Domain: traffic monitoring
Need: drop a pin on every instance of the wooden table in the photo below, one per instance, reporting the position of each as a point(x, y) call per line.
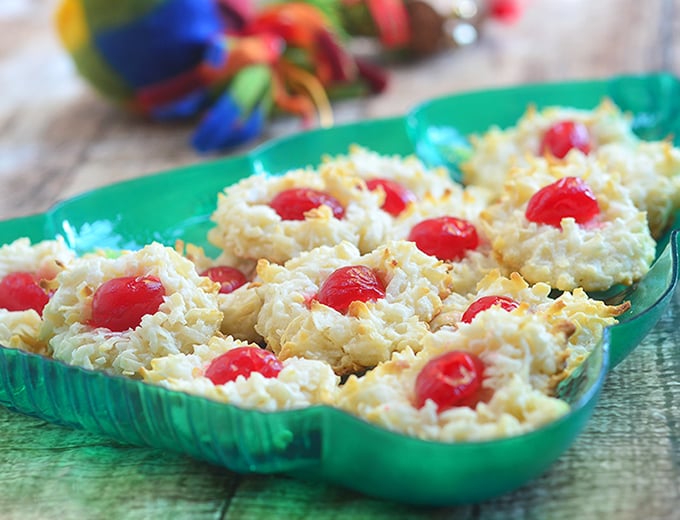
point(58, 139)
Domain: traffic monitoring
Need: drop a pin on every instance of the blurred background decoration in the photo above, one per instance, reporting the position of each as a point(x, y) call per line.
point(232, 64)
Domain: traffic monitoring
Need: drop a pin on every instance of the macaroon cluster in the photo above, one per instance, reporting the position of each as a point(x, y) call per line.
point(375, 284)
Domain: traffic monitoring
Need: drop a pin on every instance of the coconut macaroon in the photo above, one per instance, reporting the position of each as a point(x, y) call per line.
point(203, 262)
point(240, 310)
point(613, 246)
point(295, 322)
point(465, 204)
point(247, 226)
point(408, 171)
point(521, 355)
point(41, 262)
point(20, 330)
point(187, 313)
point(300, 382)
point(588, 316)
point(650, 171)
point(238, 298)
point(45, 258)
point(495, 152)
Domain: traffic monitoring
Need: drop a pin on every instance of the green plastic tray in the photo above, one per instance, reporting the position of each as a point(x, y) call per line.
point(321, 442)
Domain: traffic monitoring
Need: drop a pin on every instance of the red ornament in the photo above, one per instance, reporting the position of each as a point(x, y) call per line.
point(506, 11)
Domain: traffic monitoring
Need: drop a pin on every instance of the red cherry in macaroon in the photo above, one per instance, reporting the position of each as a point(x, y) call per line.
point(486, 302)
point(447, 238)
point(292, 204)
point(120, 304)
point(450, 380)
point(21, 291)
point(243, 361)
point(350, 284)
point(564, 136)
point(567, 197)
point(229, 278)
point(397, 196)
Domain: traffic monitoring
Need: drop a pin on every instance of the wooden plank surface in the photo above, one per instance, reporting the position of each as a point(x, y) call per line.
point(58, 139)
